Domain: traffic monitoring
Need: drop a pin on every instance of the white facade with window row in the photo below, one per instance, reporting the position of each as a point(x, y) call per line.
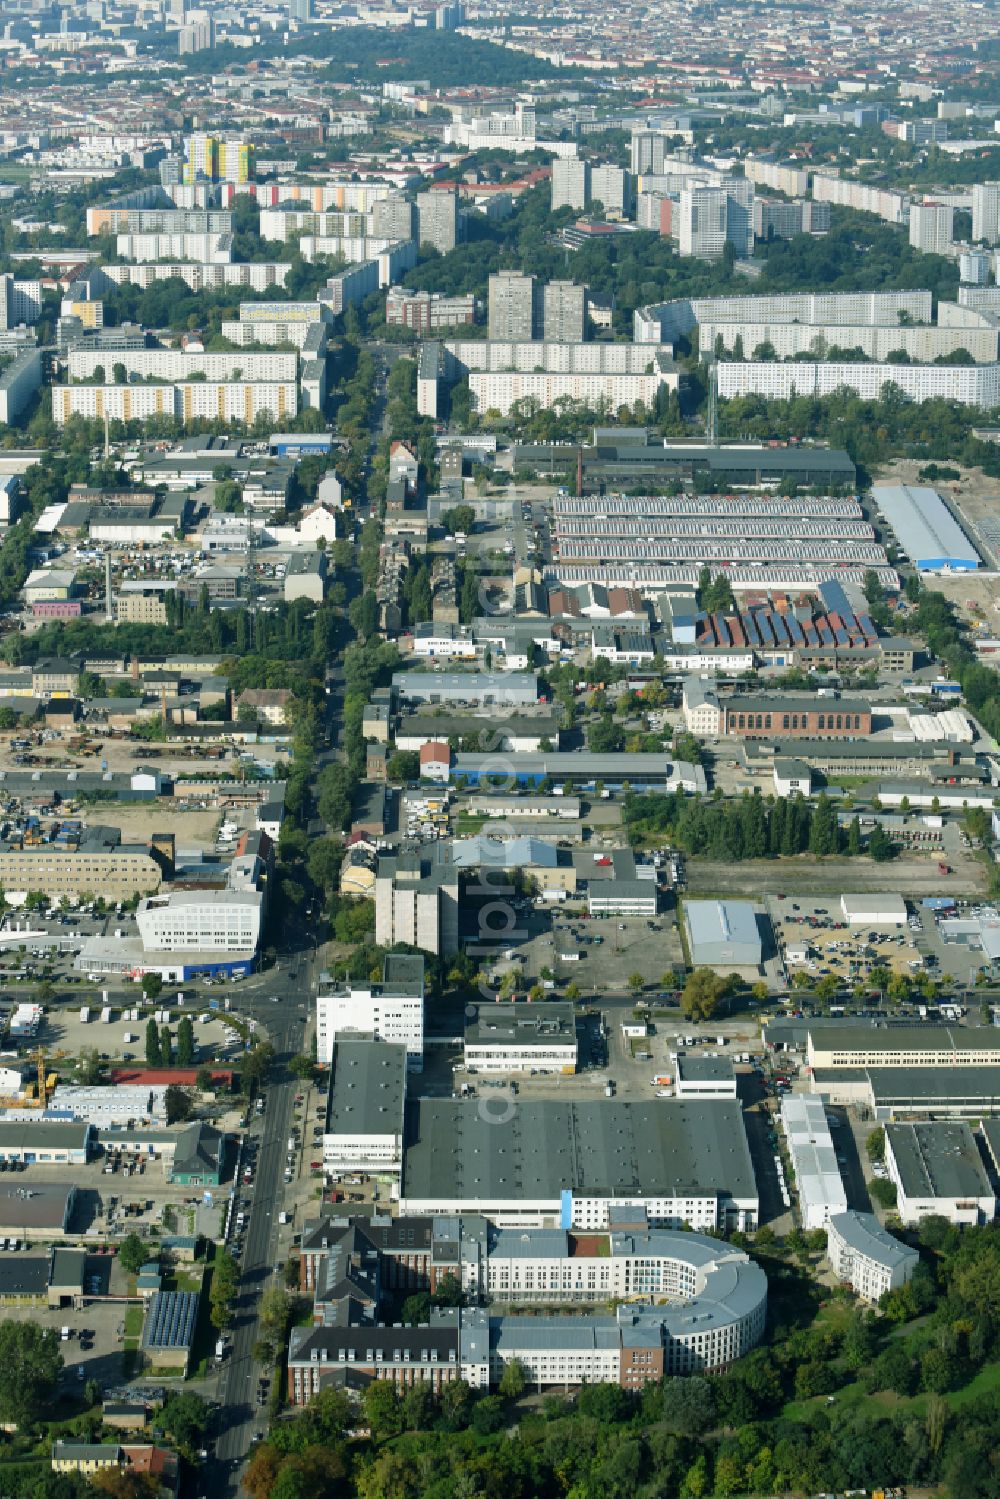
point(862, 1253)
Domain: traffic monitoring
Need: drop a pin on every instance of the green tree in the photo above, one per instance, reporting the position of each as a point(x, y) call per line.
point(403, 765)
point(166, 1046)
point(185, 1042)
point(89, 1067)
point(153, 1054)
point(185, 1416)
point(152, 985)
point(880, 845)
point(513, 1380)
point(178, 1104)
point(703, 990)
point(256, 1064)
point(688, 1405)
point(382, 1409)
point(882, 1191)
point(416, 1308)
point(875, 1144)
point(132, 1254)
point(31, 1361)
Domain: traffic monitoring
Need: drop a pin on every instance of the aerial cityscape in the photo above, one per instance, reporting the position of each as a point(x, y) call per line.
point(499, 750)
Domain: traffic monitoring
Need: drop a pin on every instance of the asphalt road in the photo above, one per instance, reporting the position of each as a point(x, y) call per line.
point(239, 1414)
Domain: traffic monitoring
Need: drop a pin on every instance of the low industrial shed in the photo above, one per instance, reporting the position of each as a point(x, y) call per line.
point(723, 934)
point(873, 910)
point(925, 528)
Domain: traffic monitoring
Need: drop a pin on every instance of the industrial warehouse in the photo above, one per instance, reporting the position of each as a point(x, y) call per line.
point(926, 529)
point(772, 542)
point(677, 1160)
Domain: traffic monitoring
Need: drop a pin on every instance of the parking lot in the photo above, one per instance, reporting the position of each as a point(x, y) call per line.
point(833, 947)
point(96, 1341)
point(601, 953)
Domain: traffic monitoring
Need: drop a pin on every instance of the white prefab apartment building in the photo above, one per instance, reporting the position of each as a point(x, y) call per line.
point(937, 1169)
point(814, 1160)
point(367, 1099)
point(224, 400)
point(864, 1255)
point(391, 1011)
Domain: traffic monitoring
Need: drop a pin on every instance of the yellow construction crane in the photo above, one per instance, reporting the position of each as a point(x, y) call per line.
point(43, 1088)
point(40, 1057)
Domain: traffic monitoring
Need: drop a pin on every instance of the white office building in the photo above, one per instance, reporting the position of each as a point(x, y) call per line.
point(976, 385)
point(391, 1011)
point(709, 218)
point(570, 183)
point(520, 1037)
point(866, 1256)
point(986, 212)
point(705, 1077)
point(203, 921)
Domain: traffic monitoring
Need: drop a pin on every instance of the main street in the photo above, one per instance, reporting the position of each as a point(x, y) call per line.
point(290, 984)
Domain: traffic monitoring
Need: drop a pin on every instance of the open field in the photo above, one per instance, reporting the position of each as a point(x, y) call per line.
point(909, 874)
point(139, 820)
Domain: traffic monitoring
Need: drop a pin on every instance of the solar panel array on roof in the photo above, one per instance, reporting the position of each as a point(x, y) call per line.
point(170, 1320)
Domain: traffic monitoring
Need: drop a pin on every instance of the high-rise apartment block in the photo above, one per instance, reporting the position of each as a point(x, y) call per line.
point(212, 158)
point(437, 218)
point(611, 186)
point(511, 317)
point(709, 218)
point(932, 227)
point(570, 183)
point(986, 212)
point(564, 312)
point(393, 217)
point(197, 34)
point(649, 148)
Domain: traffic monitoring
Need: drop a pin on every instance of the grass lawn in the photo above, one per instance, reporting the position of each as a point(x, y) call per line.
point(986, 1382)
point(133, 1321)
point(854, 1397)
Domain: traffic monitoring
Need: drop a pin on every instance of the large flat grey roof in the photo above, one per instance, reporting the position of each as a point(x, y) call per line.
point(367, 1088)
point(519, 1024)
point(485, 1149)
point(924, 526)
point(693, 1069)
point(905, 1038)
point(937, 1159)
point(725, 925)
point(44, 1134)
